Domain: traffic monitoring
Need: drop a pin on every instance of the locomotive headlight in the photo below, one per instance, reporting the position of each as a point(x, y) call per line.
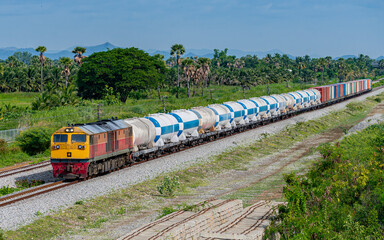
point(57, 147)
point(53, 147)
point(80, 147)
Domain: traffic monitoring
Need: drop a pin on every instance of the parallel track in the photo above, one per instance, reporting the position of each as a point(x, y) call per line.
point(25, 168)
point(19, 196)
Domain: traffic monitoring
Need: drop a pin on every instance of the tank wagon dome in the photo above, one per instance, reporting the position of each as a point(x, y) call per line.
point(207, 118)
point(143, 132)
point(262, 107)
point(223, 116)
point(251, 109)
point(189, 123)
point(238, 112)
point(166, 128)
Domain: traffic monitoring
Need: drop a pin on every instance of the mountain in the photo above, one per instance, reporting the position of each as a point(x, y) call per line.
point(346, 57)
point(379, 58)
point(56, 54)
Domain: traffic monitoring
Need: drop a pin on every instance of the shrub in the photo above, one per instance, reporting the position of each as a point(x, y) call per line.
point(34, 141)
point(168, 186)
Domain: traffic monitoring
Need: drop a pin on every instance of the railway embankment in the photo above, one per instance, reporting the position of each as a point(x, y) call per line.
point(238, 167)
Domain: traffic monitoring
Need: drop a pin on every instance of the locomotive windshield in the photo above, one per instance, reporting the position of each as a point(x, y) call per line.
point(60, 138)
point(78, 138)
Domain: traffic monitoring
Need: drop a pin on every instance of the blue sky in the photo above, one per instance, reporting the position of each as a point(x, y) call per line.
point(297, 27)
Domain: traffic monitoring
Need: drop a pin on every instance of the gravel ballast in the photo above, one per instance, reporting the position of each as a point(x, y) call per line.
point(24, 212)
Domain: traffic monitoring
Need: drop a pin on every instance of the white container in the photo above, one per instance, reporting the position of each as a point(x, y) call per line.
point(290, 100)
point(272, 105)
point(207, 118)
point(188, 123)
point(143, 132)
point(238, 113)
point(167, 128)
point(223, 116)
point(251, 109)
point(282, 103)
point(262, 106)
point(298, 99)
point(305, 98)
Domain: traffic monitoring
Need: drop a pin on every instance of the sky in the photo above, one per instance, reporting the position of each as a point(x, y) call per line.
point(297, 27)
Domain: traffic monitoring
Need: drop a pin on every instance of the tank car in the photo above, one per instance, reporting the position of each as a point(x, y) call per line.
point(207, 118)
point(263, 109)
point(143, 133)
point(166, 128)
point(251, 109)
point(223, 116)
point(237, 112)
point(189, 123)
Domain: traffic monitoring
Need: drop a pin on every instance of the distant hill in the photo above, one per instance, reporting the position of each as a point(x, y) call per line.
point(56, 54)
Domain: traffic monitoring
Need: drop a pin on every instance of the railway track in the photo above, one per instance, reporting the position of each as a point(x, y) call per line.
point(32, 192)
point(16, 170)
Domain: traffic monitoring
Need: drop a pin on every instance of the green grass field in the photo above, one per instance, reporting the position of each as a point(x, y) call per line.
point(17, 98)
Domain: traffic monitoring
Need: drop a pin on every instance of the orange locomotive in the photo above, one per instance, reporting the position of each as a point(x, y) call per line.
point(83, 150)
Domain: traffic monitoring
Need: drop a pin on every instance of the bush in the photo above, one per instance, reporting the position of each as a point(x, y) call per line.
point(168, 186)
point(35, 140)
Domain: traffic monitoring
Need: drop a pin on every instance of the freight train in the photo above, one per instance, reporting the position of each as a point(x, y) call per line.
point(86, 150)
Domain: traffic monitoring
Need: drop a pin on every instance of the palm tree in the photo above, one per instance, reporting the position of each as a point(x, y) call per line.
point(178, 50)
point(66, 62)
point(204, 63)
point(79, 51)
point(322, 64)
point(41, 49)
point(189, 69)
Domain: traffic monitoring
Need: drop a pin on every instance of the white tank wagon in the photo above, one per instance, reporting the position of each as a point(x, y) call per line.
point(305, 98)
point(262, 108)
point(238, 113)
point(290, 100)
point(223, 116)
point(166, 128)
point(273, 106)
point(317, 95)
point(282, 103)
point(207, 118)
point(298, 100)
point(251, 109)
point(143, 132)
point(189, 123)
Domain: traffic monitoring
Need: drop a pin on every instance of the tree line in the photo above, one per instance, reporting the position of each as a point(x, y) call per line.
point(133, 73)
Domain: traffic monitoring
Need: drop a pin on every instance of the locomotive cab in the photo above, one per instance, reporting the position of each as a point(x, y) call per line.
point(70, 152)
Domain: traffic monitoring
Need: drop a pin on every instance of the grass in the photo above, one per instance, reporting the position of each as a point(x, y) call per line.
point(123, 203)
point(18, 98)
point(11, 154)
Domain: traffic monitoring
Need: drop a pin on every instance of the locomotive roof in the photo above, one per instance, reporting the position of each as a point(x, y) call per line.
point(103, 126)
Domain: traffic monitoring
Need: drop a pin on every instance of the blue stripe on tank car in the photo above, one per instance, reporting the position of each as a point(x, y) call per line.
point(238, 114)
point(231, 110)
point(224, 117)
point(257, 105)
point(178, 118)
point(267, 104)
point(277, 104)
point(167, 129)
point(191, 124)
point(245, 107)
point(196, 112)
point(157, 125)
point(263, 108)
point(216, 115)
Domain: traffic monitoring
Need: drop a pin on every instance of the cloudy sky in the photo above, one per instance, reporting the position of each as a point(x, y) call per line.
point(298, 27)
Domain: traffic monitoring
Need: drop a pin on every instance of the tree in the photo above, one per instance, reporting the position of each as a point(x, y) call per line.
point(41, 49)
point(66, 62)
point(204, 63)
point(189, 68)
point(78, 58)
point(125, 70)
point(322, 64)
point(176, 51)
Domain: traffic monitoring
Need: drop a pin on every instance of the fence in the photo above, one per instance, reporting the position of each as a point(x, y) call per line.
point(11, 134)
